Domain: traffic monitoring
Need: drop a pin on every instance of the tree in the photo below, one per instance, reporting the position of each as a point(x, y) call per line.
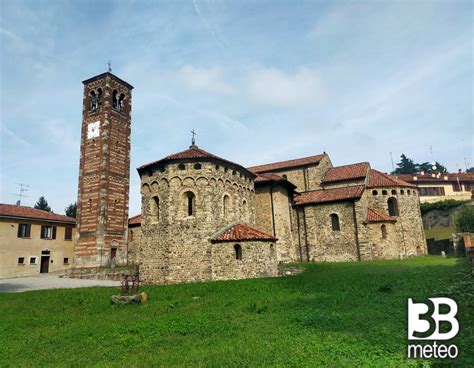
point(440, 168)
point(470, 170)
point(405, 166)
point(465, 220)
point(71, 210)
point(425, 166)
point(42, 204)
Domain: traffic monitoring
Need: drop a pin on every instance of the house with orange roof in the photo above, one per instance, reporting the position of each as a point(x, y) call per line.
point(34, 242)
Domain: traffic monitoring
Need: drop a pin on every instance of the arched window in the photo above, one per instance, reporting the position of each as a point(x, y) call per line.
point(408, 192)
point(226, 206)
point(384, 192)
point(284, 175)
point(181, 167)
point(130, 236)
point(155, 208)
point(90, 204)
point(190, 203)
point(374, 192)
point(117, 100)
point(394, 192)
point(197, 166)
point(94, 101)
point(402, 192)
point(392, 206)
point(383, 228)
point(245, 210)
point(238, 252)
point(335, 222)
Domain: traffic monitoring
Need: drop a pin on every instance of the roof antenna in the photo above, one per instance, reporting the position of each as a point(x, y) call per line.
point(110, 67)
point(393, 166)
point(23, 189)
point(193, 140)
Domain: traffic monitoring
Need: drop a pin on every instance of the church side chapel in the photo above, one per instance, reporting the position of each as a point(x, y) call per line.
point(204, 217)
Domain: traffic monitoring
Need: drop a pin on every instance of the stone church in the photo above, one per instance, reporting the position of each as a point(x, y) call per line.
point(207, 218)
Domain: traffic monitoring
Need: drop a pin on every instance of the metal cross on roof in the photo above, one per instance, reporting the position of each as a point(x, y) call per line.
point(193, 140)
point(110, 66)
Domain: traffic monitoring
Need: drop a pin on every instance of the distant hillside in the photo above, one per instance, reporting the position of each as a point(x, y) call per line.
point(442, 215)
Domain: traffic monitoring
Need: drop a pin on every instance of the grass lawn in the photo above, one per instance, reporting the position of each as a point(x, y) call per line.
point(347, 314)
point(440, 233)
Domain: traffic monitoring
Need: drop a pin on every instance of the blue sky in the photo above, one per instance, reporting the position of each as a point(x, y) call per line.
point(259, 81)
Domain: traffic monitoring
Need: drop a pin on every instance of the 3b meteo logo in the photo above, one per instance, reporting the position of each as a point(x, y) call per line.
point(424, 321)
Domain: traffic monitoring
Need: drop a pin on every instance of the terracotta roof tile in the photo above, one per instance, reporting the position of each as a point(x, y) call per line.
point(193, 152)
point(9, 210)
point(374, 215)
point(330, 195)
point(269, 178)
point(346, 172)
point(311, 160)
point(378, 179)
point(135, 220)
point(241, 232)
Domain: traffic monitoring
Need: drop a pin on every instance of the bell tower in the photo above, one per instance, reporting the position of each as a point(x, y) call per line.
point(104, 172)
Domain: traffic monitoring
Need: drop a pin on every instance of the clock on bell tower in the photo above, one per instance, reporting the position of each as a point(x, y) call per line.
point(104, 172)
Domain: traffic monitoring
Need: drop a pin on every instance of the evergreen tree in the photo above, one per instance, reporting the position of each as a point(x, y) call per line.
point(470, 170)
point(425, 166)
point(71, 210)
point(405, 166)
point(42, 204)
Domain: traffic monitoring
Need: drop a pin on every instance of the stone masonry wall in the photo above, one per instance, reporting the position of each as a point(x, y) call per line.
point(286, 249)
point(323, 243)
point(409, 226)
point(259, 259)
point(176, 246)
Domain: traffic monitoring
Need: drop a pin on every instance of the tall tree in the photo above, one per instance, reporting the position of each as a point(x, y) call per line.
point(405, 166)
point(71, 210)
point(470, 170)
point(425, 166)
point(440, 168)
point(42, 204)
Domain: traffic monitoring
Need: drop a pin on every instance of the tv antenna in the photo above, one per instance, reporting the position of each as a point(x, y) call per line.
point(23, 189)
point(393, 166)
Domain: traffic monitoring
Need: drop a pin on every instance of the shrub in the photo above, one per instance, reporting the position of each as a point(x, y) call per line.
point(465, 220)
point(445, 205)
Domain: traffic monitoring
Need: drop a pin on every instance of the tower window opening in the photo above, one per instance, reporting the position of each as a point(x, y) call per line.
point(190, 202)
point(155, 212)
point(226, 206)
point(392, 206)
point(336, 226)
point(118, 100)
point(238, 252)
point(383, 229)
point(94, 99)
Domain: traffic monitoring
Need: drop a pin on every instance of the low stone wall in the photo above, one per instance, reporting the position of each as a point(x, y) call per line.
point(95, 273)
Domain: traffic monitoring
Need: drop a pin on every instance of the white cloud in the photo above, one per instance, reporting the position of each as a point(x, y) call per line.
point(206, 79)
point(277, 88)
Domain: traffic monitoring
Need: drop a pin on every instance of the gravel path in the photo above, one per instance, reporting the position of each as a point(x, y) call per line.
point(20, 284)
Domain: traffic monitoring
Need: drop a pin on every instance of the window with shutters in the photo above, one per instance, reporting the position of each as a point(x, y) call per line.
point(68, 233)
point(48, 232)
point(24, 230)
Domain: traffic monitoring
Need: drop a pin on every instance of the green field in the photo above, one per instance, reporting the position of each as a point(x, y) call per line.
point(440, 233)
point(348, 314)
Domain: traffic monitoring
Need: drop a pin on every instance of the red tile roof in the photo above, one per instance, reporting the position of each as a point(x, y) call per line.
point(135, 220)
point(24, 212)
point(241, 232)
point(374, 215)
point(311, 160)
point(273, 178)
point(378, 179)
point(427, 177)
point(346, 172)
point(330, 195)
point(193, 152)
